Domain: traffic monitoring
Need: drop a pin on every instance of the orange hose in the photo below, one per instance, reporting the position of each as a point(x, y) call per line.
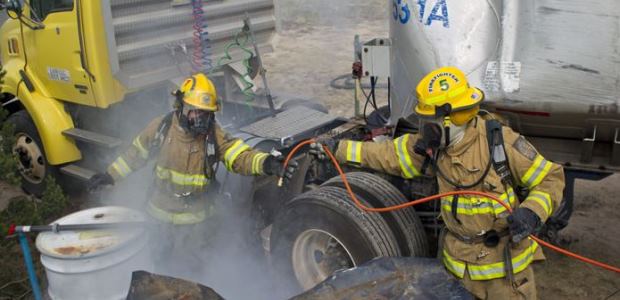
point(435, 197)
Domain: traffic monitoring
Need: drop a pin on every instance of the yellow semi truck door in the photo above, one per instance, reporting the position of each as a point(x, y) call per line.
point(55, 54)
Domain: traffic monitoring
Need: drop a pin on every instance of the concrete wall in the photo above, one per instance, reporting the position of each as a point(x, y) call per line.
point(291, 13)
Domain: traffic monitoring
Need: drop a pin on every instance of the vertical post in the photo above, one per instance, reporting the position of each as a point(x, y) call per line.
point(357, 50)
point(615, 149)
point(261, 71)
point(358, 88)
point(32, 275)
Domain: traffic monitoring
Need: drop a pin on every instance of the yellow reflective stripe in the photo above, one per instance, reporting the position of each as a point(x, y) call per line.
point(182, 179)
point(184, 218)
point(508, 198)
point(143, 152)
point(121, 166)
point(537, 172)
point(404, 159)
point(257, 163)
point(455, 267)
point(468, 206)
point(445, 96)
point(543, 199)
point(354, 152)
point(479, 205)
point(497, 270)
point(233, 152)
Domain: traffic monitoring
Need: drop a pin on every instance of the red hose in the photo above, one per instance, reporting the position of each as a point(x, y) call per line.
point(436, 197)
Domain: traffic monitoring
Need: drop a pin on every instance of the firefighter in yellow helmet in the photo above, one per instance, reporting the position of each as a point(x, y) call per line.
point(187, 144)
point(485, 247)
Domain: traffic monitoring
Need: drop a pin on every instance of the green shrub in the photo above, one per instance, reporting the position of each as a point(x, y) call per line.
point(8, 160)
point(27, 210)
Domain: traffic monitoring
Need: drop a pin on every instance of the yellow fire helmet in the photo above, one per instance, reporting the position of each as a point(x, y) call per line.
point(447, 85)
point(199, 92)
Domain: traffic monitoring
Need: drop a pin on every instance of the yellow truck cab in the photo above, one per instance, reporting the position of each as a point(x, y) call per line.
point(84, 75)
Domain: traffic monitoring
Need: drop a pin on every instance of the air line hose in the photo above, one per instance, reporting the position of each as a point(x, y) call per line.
point(240, 41)
point(200, 56)
point(201, 61)
point(361, 206)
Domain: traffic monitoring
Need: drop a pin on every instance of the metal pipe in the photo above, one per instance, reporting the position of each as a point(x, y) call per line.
point(32, 275)
point(357, 58)
point(68, 227)
point(358, 88)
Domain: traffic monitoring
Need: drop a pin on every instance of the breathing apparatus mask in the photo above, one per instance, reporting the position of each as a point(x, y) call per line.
point(439, 132)
point(193, 120)
point(443, 131)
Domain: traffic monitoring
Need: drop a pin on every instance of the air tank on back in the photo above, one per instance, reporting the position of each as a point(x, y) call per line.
point(552, 68)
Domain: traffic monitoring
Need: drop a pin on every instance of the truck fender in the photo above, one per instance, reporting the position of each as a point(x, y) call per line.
point(51, 120)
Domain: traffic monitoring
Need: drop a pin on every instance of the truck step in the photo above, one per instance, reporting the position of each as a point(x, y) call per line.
point(78, 172)
point(93, 137)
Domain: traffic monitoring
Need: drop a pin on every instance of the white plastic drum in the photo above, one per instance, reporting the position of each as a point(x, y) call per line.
point(94, 264)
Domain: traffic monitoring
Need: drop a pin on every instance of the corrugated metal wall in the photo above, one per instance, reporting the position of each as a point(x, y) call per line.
point(153, 38)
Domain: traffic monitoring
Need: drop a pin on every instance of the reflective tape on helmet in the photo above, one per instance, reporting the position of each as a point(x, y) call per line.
point(444, 97)
point(491, 271)
point(354, 152)
point(537, 172)
point(181, 218)
point(257, 163)
point(121, 167)
point(233, 153)
point(404, 158)
point(178, 178)
point(143, 152)
point(543, 199)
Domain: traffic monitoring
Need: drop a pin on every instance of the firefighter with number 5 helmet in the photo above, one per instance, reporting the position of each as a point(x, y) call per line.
point(187, 145)
point(484, 246)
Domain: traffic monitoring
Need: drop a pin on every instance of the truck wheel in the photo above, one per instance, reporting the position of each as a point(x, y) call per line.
point(322, 231)
point(404, 223)
point(28, 149)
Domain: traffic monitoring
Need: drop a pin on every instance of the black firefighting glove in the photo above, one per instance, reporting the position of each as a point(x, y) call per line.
point(317, 150)
point(99, 180)
point(521, 223)
point(430, 141)
point(274, 165)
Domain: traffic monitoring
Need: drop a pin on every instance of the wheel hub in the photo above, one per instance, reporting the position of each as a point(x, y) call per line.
point(30, 161)
point(316, 255)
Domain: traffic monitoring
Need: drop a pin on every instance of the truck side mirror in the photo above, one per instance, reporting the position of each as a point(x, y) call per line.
point(13, 8)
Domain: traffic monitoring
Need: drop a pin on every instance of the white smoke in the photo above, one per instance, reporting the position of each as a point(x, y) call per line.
point(235, 265)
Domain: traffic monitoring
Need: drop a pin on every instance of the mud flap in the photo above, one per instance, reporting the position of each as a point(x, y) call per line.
point(390, 278)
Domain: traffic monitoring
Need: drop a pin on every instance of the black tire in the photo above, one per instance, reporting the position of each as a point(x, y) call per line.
point(26, 133)
point(288, 104)
point(404, 223)
point(328, 210)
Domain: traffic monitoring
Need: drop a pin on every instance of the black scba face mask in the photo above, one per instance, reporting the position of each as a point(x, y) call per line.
point(431, 139)
point(195, 121)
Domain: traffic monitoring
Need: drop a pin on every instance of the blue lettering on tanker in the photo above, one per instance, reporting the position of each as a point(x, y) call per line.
point(439, 12)
point(401, 11)
point(422, 5)
point(444, 14)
